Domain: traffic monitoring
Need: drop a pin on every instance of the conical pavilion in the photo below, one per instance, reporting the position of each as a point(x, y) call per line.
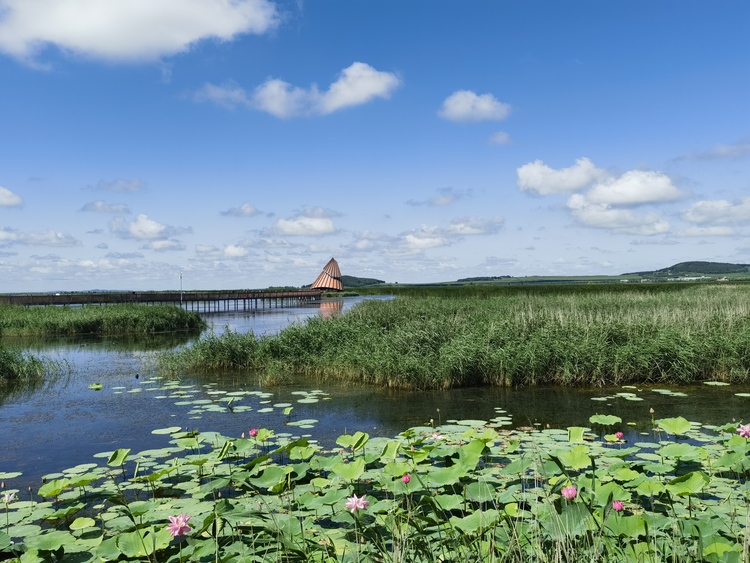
point(329, 278)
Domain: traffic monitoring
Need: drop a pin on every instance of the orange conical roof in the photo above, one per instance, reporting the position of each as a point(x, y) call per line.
point(329, 278)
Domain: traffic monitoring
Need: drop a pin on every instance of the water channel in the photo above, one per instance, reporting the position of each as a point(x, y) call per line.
point(65, 423)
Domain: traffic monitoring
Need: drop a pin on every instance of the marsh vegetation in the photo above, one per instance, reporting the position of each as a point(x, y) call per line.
point(480, 335)
point(16, 320)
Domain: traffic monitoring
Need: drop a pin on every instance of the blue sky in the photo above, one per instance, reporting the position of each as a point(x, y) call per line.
point(243, 143)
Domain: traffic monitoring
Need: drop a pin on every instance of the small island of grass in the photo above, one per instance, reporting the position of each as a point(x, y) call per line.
point(443, 337)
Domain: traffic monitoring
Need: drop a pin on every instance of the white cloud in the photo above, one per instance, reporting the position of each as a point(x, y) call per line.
point(234, 251)
point(8, 198)
point(424, 240)
point(228, 96)
point(707, 232)
point(635, 187)
point(603, 216)
point(473, 226)
point(738, 150)
point(126, 29)
point(357, 84)
point(540, 178)
point(38, 238)
point(126, 186)
point(104, 207)
point(427, 237)
point(305, 226)
point(164, 245)
point(445, 196)
point(719, 212)
point(244, 210)
point(143, 228)
point(465, 105)
point(500, 138)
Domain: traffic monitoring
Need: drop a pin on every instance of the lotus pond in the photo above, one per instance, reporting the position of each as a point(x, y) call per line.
point(95, 464)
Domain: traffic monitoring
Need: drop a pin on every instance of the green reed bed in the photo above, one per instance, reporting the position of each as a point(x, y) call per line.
point(106, 319)
point(584, 336)
point(17, 366)
point(468, 491)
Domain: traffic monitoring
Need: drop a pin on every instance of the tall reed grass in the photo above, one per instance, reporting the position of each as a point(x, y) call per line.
point(107, 319)
point(18, 367)
point(530, 336)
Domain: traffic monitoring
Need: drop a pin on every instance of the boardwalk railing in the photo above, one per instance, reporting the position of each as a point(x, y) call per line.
point(199, 301)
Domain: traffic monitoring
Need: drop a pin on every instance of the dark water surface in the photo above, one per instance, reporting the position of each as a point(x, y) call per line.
point(63, 424)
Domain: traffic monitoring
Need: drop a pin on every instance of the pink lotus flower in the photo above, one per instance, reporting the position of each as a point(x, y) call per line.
point(619, 435)
point(405, 479)
point(178, 525)
point(569, 492)
point(617, 505)
point(744, 430)
point(253, 432)
point(354, 503)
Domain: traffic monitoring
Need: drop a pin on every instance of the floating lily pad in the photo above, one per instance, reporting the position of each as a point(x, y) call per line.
point(716, 383)
point(169, 430)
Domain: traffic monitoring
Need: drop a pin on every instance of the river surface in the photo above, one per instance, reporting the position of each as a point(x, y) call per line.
point(65, 423)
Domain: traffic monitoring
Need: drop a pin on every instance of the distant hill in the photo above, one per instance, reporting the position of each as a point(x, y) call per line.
point(483, 278)
point(352, 281)
point(697, 268)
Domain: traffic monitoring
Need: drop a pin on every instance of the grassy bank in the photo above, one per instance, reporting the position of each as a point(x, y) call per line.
point(109, 319)
point(468, 491)
point(16, 366)
point(587, 335)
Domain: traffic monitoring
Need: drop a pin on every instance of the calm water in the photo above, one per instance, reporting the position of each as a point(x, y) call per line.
point(64, 424)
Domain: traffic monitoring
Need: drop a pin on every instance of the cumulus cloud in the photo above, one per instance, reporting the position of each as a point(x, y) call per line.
point(100, 206)
point(634, 188)
point(8, 198)
point(126, 186)
point(126, 30)
point(465, 105)
point(234, 251)
point(244, 210)
point(426, 237)
point(37, 238)
point(604, 216)
point(357, 84)
point(303, 225)
point(719, 212)
point(539, 178)
point(143, 228)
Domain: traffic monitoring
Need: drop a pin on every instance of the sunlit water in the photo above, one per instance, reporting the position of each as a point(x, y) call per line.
point(66, 423)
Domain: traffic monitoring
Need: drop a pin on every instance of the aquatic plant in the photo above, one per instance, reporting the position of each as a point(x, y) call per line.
point(480, 492)
point(17, 367)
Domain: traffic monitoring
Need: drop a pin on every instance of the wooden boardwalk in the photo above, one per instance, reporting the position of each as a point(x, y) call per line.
point(198, 301)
